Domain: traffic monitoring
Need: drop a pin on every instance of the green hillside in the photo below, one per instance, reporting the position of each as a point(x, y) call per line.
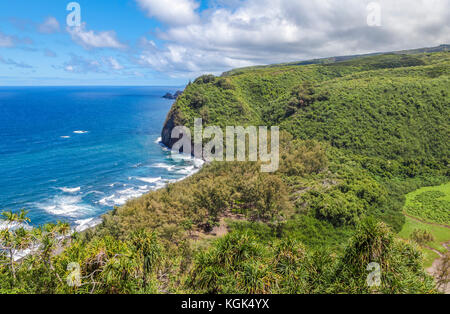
point(391, 106)
point(389, 113)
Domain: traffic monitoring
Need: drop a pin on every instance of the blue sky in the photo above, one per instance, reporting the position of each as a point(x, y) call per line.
point(168, 42)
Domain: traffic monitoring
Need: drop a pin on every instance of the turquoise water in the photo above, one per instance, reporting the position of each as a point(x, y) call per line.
point(73, 153)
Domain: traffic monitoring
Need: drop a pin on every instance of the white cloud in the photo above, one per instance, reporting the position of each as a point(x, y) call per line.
point(90, 39)
point(83, 65)
point(114, 64)
point(172, 12)
point(50, 25)
point(179, 61)
point(270, 31)
point(6, 41)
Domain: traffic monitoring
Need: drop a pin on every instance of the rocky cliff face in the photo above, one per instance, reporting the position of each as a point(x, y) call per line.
point(172, 120)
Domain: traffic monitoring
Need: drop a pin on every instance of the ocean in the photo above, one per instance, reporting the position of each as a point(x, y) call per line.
point(74, 153)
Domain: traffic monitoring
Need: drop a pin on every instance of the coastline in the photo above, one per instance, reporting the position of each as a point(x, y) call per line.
point(91, 223)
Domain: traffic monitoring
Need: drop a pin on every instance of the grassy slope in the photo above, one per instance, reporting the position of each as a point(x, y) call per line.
point(441, 234)
point(431, 204)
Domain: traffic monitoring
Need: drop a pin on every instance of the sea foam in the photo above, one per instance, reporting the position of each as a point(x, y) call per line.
point(164, 166)
point(84, 224)
point(66, 206)
point(149, 180)
point(70, 190)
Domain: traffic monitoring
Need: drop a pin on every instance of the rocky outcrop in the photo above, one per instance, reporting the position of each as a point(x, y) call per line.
point(174, 96)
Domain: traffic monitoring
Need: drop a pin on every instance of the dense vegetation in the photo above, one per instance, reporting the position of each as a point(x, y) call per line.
point(387, 113)
point(357, 136)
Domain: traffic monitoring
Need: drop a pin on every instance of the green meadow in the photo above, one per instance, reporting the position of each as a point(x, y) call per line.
point(440, 233)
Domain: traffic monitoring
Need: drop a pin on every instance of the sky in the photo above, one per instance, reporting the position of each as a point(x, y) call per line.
point(169, 42)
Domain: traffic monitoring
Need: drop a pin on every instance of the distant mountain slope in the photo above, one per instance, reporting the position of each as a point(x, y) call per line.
point(441, 48)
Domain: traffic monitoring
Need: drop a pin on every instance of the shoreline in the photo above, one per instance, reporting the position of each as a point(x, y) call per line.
point(93, 222)
point(197, 166)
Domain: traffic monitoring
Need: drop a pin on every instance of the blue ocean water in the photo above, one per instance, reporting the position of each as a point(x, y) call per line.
point(73, 153)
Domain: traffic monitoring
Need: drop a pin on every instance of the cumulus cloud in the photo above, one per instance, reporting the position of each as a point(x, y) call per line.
point(90, 39)
point(50, 26)
point(173, 12)
point(269, 31)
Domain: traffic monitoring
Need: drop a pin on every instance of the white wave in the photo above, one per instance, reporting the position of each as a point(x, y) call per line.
point(70, 190)
point(80, 132)
point(18, 255)
point(13, 225)
point(94, 192)
point(84, 224)
point(65, 136)
point(187, 170)
point(161, 184)
point(179, 157)
point(198, 163)
point(108, 201)
point(164, 166)
point(121, 197)
point(66, 206)
point(149, 180)
point(159, 140)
